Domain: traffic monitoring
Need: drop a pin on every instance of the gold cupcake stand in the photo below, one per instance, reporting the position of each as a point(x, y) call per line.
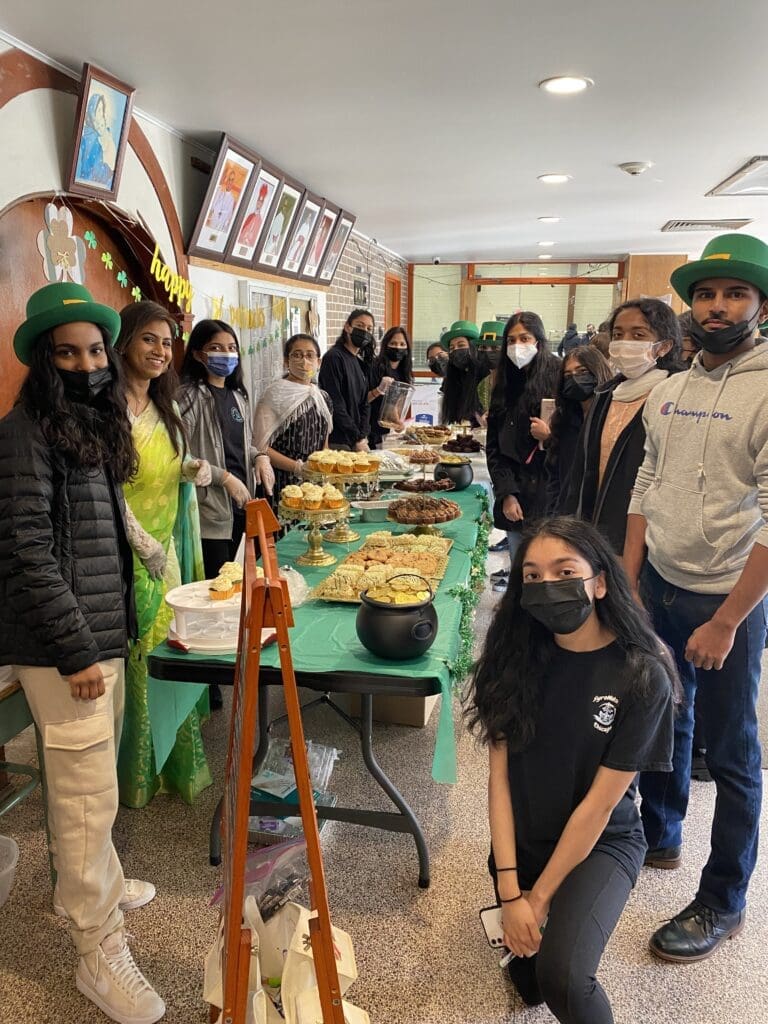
point(352, 485)
point(315, 518)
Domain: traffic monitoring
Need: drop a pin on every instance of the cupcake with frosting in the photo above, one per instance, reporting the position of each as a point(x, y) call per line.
point(292, 496)
point(332, 497)
point(221, 589)
point(313, 498)
point(328, 461)
point(344, 462)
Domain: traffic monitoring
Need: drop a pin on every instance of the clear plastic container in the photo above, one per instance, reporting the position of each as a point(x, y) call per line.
point(395, 405)
point(9, 858)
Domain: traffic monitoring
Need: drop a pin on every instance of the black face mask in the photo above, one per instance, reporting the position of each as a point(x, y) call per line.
point(494, 358)
point(83, 387)
point(394, 355)
point(579, 387)
point(360, 337)
point(438, 365)
point(561, 606)
point(719, 343)
point(460, 358)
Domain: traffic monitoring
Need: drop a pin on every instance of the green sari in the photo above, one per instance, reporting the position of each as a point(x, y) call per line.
point(167, 509)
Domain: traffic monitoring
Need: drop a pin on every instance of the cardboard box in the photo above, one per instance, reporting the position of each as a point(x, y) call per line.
point(415, 711)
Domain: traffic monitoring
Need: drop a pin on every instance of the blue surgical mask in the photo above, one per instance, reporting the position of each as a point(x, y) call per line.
point(222, 365)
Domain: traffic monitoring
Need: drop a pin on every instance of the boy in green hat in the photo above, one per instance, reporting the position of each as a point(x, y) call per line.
point(489, 357)
point(706, 467)
point(66, 612)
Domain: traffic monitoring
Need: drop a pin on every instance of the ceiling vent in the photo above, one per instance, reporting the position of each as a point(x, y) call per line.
point(749, 180)
point(705, 225)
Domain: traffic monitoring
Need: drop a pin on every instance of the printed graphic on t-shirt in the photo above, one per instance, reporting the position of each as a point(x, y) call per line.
point(236, 415)
point(605, 715)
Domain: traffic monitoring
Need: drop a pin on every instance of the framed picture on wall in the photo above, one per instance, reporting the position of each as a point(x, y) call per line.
point(102, 124)
point(228, 187)
point(253, 216)
point(322, 236)
point(274, 238)
point(336, 248)
point(301, 236)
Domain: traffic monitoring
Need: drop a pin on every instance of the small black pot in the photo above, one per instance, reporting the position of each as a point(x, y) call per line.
point(460, 472)
point(396, 632)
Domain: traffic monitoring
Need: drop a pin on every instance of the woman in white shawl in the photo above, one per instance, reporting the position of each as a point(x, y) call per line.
point(293, 417)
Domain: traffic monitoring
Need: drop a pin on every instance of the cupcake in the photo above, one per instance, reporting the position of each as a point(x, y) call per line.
point(328, 461)
point(360, 462)
point(291, 496)
point(374, 461)
point(306, 488)
point(314, 462)
point(221, 589)
point(232, 571)
point(344, 462)
point(313, 498)
point(332, 497)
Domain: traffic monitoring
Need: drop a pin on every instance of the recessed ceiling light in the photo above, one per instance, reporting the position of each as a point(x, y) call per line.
point(546, 245)
point(554, 179)
point(549, 220)
point(566, 85)
point(545, 256)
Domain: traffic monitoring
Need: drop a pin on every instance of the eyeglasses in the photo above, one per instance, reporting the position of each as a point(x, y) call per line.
point(307, 357)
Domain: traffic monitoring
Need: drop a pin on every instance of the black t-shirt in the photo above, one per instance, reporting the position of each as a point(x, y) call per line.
point(588, 718)
point(232, 432)
point(375, 377)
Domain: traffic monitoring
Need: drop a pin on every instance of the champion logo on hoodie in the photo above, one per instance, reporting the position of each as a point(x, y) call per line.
point(698, 414)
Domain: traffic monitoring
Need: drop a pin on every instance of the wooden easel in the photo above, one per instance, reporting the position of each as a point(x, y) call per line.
point(266, 604)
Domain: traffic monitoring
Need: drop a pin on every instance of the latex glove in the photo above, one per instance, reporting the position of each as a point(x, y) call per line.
point(384, 384)
point(237, 490)
point(265, 474)
point(362, 446)
point(197, 472)
point(150, 551)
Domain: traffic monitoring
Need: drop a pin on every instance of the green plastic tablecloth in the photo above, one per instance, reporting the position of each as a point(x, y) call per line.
point(324, 638)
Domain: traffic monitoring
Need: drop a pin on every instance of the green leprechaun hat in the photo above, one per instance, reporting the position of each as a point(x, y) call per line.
point(460, 329)
point(491, 332)
point(56, 304)
point(742, 257)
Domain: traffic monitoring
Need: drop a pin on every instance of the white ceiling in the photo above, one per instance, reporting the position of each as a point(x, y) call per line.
point(423, 116)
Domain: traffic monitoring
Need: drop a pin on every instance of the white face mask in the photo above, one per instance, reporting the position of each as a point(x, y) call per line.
point(632, 358)
point(522, 354)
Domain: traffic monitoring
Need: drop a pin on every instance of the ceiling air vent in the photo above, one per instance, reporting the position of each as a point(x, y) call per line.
point(749, 180)
point(705, 225)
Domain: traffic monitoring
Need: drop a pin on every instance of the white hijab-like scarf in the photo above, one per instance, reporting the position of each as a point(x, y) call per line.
point(631, 390)
point(283, 403)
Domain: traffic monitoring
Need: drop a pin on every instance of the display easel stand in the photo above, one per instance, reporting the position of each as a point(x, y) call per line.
point(266, 604)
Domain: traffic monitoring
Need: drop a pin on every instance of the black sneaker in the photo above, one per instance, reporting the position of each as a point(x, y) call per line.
point(695, 933)
point(666, 857)
point(522, 974)
point(215, 699)
point(502, 545)
point(699, 770)
point(500, 574)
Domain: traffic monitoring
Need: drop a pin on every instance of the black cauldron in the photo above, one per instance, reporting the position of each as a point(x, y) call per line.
point(460, 472)
point(397, 632)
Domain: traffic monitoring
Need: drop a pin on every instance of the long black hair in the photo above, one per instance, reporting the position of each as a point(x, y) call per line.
point(535, 381)
point(367, 353)
point(569, 413)
point(405, 366)
point(162, 390)
point(503, 697)
point(460, 399)
point(88, 436)
point(664, 324)
point(193, 370)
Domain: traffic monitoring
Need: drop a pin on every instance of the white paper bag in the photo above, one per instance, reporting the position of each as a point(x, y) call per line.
point(309, 1010)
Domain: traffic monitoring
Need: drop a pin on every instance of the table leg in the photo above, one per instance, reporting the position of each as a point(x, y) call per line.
point(411, 821)
point(259, 757)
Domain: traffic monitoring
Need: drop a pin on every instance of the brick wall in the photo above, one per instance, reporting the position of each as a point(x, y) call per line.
point(363, 261)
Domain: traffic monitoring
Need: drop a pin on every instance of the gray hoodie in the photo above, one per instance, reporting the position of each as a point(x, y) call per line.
point(703, 486)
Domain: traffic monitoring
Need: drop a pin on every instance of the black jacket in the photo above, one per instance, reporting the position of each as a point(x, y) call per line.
point(378, 371)
point(606, 505)
point(559, 463)
point(66, 590)
point(569, 341)
point(345, 379)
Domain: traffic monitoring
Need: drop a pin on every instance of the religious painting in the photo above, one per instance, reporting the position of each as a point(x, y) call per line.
point(254, 217)
point(319, 243)
point(336, 248)
point(285, 210)
point(102, 123)
point(297, 247)
point(235, 166)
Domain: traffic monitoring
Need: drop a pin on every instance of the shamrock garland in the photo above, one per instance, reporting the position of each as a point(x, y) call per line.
point(469, 596)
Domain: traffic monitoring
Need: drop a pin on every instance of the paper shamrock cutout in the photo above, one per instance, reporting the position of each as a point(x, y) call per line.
point(63, 254)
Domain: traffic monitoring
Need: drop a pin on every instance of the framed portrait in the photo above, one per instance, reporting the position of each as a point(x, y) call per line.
point(301, 236)
point(336, 248)
point(274, 238)
point(319, 243)
point(102, 123)
point(253, 216)
point(227, 189)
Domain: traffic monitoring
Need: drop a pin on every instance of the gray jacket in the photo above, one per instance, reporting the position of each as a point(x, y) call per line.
point(198, 411)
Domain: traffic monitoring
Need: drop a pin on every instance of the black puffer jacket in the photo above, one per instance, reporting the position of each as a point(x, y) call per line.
point(66, 594)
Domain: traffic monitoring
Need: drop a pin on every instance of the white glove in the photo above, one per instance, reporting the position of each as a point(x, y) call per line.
point(197, 472)
point(150, 551)
point(384, 385)
point(237, 490)
point(265, 474)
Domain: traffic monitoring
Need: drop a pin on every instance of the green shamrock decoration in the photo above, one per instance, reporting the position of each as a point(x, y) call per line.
point(90, 239)
point(106, 259)
point(122, 279)
point(136, 294)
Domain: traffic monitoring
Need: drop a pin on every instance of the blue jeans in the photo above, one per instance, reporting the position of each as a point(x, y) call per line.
point(726, 701)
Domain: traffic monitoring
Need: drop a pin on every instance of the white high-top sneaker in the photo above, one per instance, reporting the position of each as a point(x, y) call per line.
point(110, 978)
